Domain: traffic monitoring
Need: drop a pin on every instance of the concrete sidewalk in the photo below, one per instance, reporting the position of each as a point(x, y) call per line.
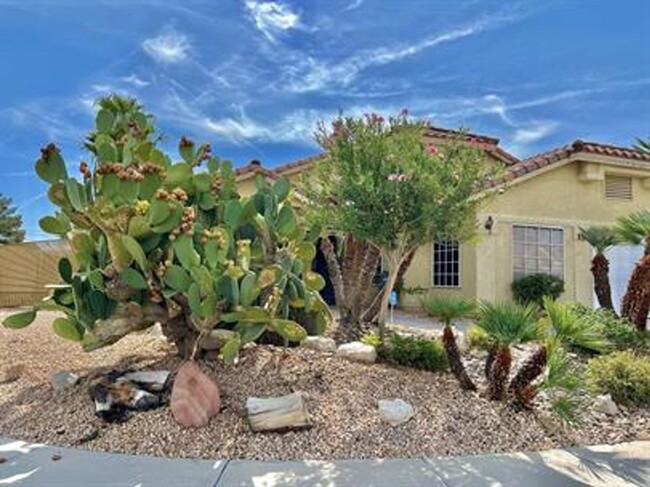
point(38, 465)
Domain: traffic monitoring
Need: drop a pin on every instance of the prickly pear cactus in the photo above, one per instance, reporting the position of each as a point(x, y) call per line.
point(161, 241)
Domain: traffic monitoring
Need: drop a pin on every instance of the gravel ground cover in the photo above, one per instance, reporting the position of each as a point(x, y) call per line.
point(342, 399)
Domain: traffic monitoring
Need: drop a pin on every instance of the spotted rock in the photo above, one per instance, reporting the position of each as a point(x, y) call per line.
point(195, 397)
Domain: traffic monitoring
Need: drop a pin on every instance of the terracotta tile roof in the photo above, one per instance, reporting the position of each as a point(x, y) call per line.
point(290, 167)
point(488, 144)
point(253, 167)
point(553, 156)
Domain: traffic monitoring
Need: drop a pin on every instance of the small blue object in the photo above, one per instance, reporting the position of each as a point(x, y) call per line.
point(392, 300)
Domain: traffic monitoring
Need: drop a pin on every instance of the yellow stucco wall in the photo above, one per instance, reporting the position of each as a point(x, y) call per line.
point(566, 196)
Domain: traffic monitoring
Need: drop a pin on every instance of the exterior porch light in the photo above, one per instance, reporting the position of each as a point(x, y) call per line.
point(489, 223)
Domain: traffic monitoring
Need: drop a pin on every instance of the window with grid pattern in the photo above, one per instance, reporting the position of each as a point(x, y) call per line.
point(446, 263)
point(618, 187)
point(537, 250)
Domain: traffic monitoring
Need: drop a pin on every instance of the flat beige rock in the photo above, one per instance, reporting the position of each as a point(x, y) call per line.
point(195, 397)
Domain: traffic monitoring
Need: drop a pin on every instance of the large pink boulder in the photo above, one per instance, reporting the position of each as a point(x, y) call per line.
point(195, 397)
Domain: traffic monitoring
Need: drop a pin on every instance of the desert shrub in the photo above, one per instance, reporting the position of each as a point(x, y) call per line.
point(533, 288)
point(478, 338)
point(622, 334)
point(447, 309)
point(625, 375)
point(371, 339)
point(416, 352)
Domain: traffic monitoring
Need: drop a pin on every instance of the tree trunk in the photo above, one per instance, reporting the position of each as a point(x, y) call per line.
point(602, 288)
point(532, 368)
point(489, 360)
point(636, 302)
point(455, 360)
point(499, 373)
point(371, 313)
point(393, 260)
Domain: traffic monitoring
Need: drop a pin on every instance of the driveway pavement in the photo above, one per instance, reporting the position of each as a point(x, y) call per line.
point(30, 465)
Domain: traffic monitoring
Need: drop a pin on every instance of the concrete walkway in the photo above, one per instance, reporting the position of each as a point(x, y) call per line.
point(26, 464)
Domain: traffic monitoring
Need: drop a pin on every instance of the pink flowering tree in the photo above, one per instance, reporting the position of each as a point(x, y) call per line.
point(380, 182)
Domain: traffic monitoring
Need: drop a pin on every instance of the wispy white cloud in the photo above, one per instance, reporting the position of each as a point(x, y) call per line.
point(314, 75)
point(272, 18)
point(169, 47)
point(533, 132)
point(135, 80)
point(353, 5)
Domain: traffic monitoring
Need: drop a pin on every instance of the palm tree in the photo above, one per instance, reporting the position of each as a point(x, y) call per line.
point(567, 329)
point(642, 145)
point(601, 239)
point(635, 229)
point(507, 323)
point(449, 310)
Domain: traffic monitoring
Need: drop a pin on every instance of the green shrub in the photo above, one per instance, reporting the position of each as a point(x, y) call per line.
point(622, 334)
point(447, 309)
point(371, 339)
point(625, 375)
point(419, 353)
point(478, 338)
point(533, 288)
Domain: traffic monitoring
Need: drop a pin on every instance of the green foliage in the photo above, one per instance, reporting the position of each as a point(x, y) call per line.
point(572, 330)
point(625, 375)
point(643, 145)
point(563, 381)
point(509, 323)
point(379, 182)
point(599, 237)
point(620, 333)
point(478, 339)
point(10, 222)
point(635, 228)
point(419, 353)
point(371, 339)
point(447, 309)
point(154, 238)
point(533, 288)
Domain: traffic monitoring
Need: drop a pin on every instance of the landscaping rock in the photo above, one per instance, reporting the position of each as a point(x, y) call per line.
point(278, 413)
point(357, 351)
point(12, 373)
point(195, 397)
point(151, 380)
point(605, 404)
point(321, 344)
point(63, 379)
point(395, 411)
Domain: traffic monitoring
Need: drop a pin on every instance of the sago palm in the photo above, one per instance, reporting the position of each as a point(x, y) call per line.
point(601, 239)
point(566, 329)
point(507, 323)
point(449, 310)
point(635, 229)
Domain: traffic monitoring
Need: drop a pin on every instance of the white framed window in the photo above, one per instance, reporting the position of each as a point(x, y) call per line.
point(446, 264)
point(537, 250)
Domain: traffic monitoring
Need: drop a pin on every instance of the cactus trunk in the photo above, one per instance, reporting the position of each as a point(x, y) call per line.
point(455, 359)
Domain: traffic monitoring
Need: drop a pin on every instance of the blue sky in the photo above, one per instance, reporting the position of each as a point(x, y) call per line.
point(253, 77)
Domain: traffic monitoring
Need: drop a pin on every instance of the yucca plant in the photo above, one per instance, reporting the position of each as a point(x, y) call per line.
point(601, 239)
point(507, 323)
point(635, 229)
point(565, 328)
point(448, 310)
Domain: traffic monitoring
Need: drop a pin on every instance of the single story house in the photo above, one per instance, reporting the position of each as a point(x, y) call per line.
point(531, 225)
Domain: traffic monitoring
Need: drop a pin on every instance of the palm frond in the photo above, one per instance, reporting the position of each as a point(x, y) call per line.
point(634, 228)
point(642, 145)
point(573, 330)
point(509, 322)
point(560, 372)
point(447, 309)
point(600, 238)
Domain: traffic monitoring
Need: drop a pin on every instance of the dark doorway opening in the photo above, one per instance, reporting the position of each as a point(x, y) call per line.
point(320, 265)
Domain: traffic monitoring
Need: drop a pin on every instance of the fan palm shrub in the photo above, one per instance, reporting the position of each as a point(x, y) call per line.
point(635, 229)
point(448, 310)
point(507, 323)
point(565, 329)
point(601, 239)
